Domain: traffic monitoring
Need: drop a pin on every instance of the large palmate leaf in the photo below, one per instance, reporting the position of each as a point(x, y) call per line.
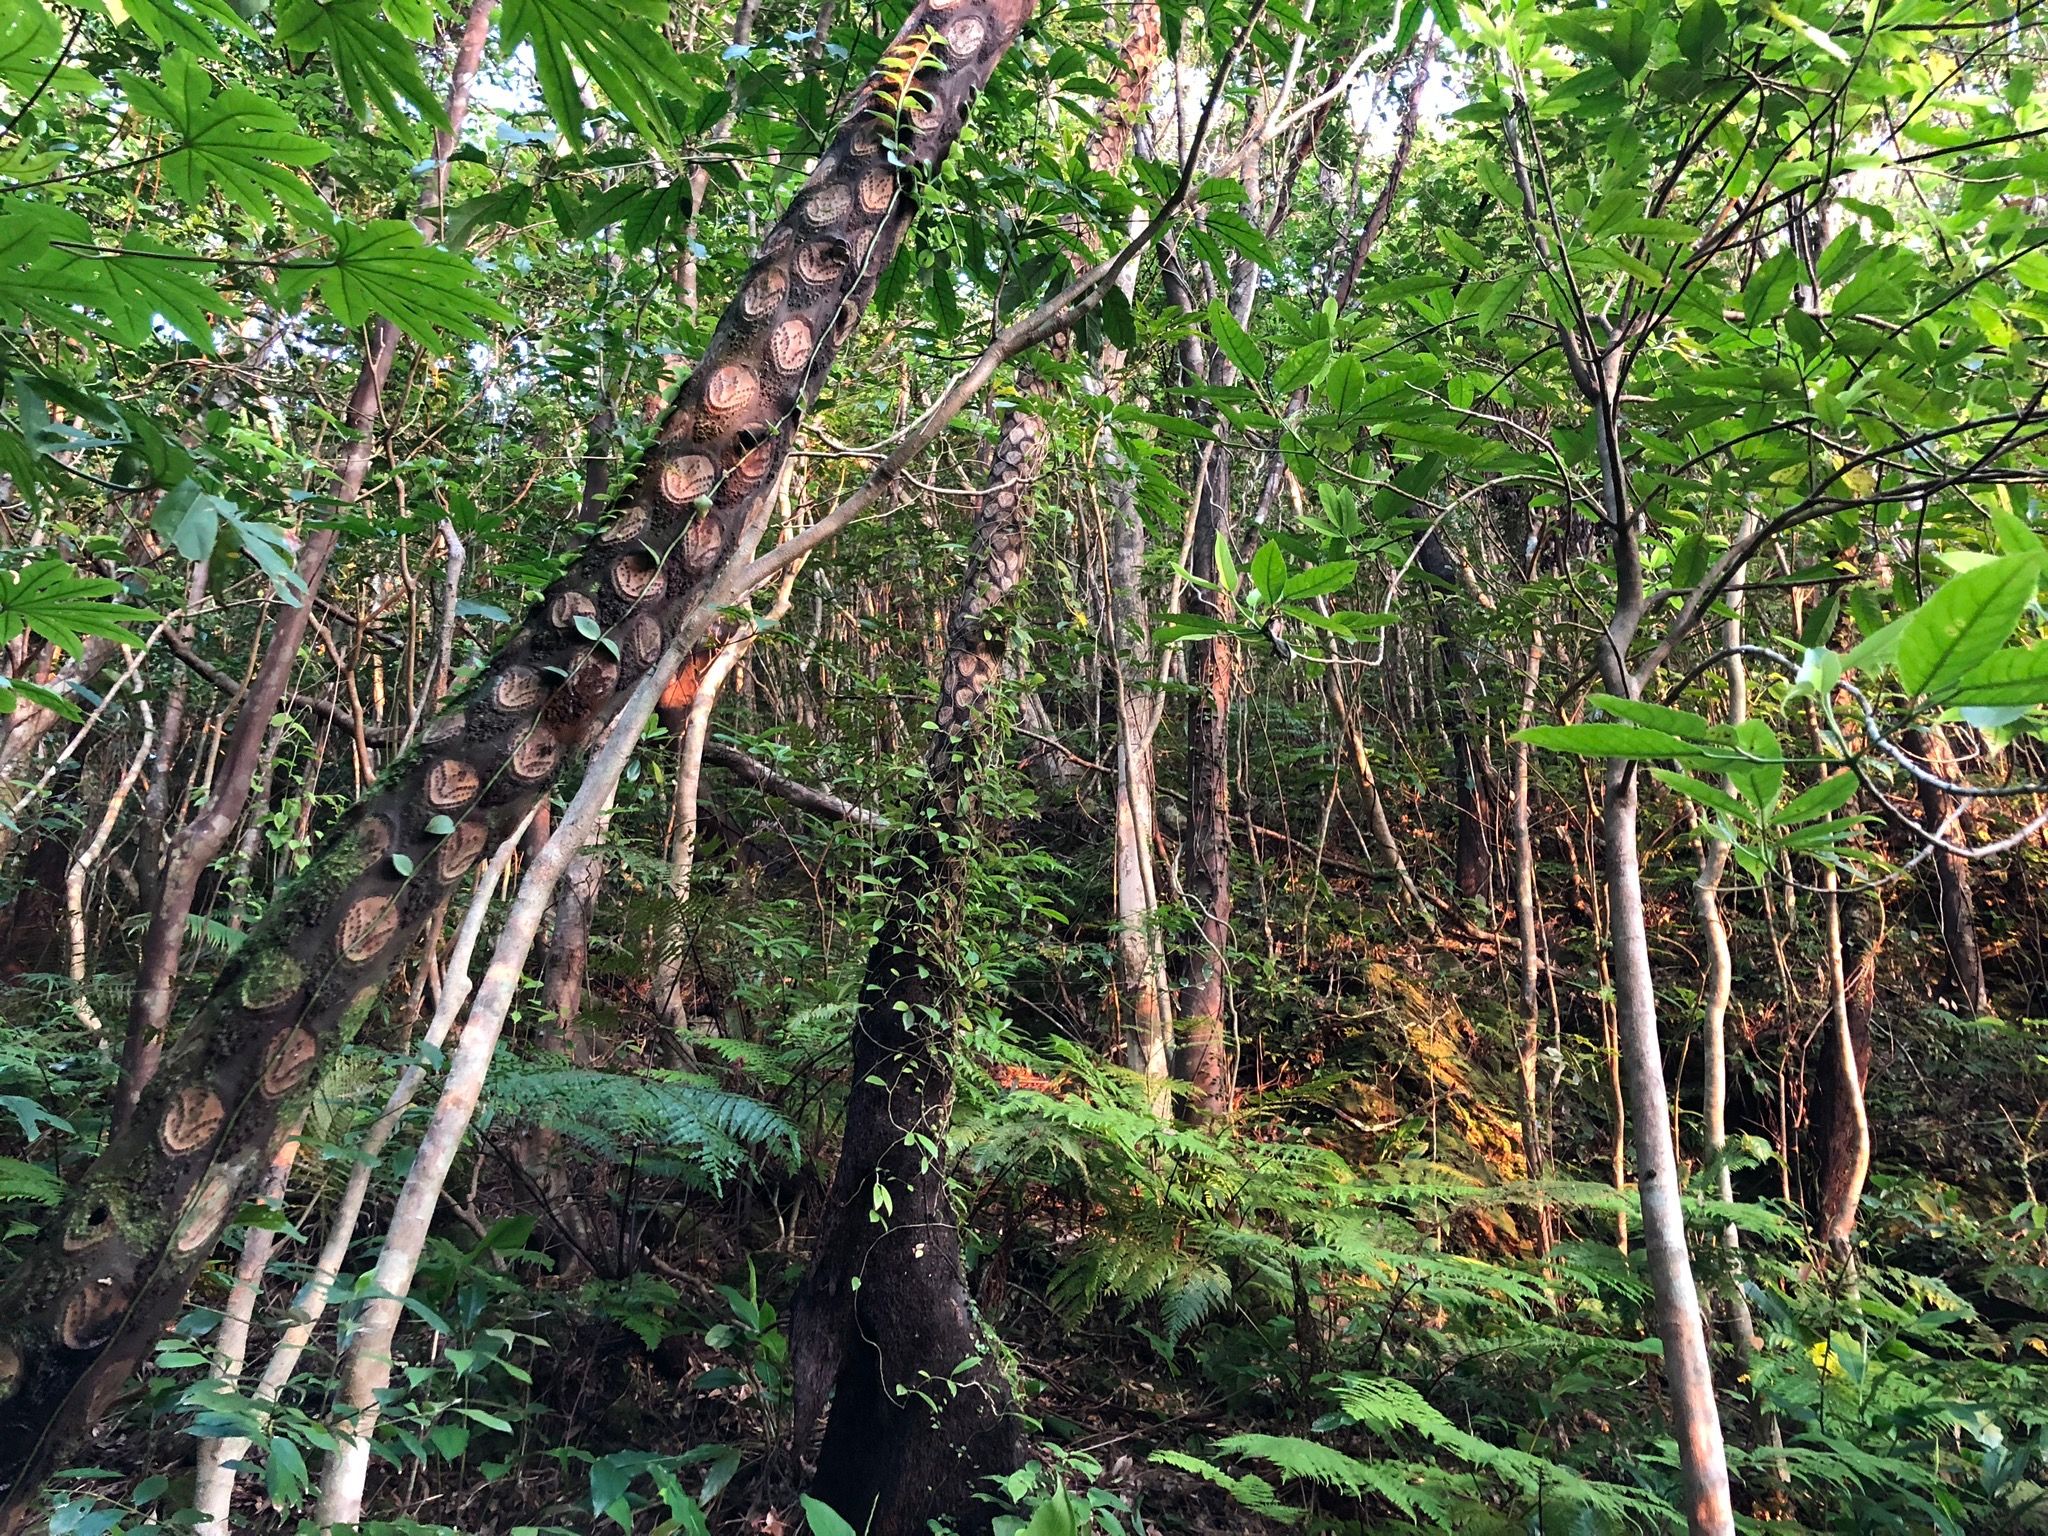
point(52, 600)
point(234, 139)
point(616, 43)
point(39, 276)
point(31, 42)
point(186, 24)
point(143, 279)
point(386, 268)
point(374, 63)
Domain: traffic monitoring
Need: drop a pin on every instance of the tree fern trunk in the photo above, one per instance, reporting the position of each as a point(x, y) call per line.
point(883, 1324)
point(83, 1307)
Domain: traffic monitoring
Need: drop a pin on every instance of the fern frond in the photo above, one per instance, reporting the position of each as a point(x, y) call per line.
point(612, 1113)
point(1252, 1491)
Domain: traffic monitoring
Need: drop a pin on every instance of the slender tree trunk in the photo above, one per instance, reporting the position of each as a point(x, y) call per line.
point(1681, 1324)
point(1695, 1418)
point(215, 1486)
point(1527, 929)
point(156, 800)
point(231, 1340)
point(87, 857)
point(921, 1412)
point(688, 708)
point(1212, 667)
point(366, 1364)
point(1140, 945)
point(1954, 893)
point(82, 1307)
point(1844, 1114)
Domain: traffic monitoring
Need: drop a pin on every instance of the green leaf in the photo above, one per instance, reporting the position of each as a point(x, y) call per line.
point(1055, 1517)
point(1711, 796)
point(1971, 616)
point(1822, 799)
point(1658, 717)
point(1269, 571)
point(823, 1520)
point(1320, 580)
point(1119, 326)
point(1701, 29)
point(1302, 368)
point(145, 279)
point(39, 279)
point(182, 23)
point(241, 142)
point(1876, 651)
point(31, 42)
point(441, 826)
point(52, 600)
point(2008, 677)
point(29, 1182)
point(1344, 385)
point(1600, 738)
point(1809, 31)
point(1758, 774)
point(374, 63)
point(1235, 342)
point(618, 46)
point(402, 862)
point(284, 1473)
point(387, 268)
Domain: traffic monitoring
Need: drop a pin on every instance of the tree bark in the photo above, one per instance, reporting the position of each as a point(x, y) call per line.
point(1843, 1114)
point(920, 1410)
point(1212, 667)
point(1954, 892)
point(83, 1306)
point(88, 856)
point(214, 1487)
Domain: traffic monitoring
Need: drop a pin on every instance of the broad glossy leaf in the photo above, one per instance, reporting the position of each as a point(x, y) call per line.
point(145, 278)
point(1712, 796)
point(823, 1520)
point(1269, 571)
point(1970, 617)
point(1235, 342)
point(1822, 799)
point(2009, 677)
point(38, 276)
point(1605, 738)
point(52, 600)
point(183, 23)
point(1682, 723)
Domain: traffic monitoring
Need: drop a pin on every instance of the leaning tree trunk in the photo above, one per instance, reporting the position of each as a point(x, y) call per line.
point(83, 1307)
point(920, 1410)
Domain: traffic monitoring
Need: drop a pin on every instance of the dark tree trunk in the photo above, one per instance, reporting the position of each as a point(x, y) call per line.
point(1461, 679)
point(84, 1306)
point(920, 1411)
point(30, 941)
point(1212, 666)
point(1954, 893)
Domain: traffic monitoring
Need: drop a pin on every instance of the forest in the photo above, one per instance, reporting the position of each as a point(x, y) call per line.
point(1011, 768)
